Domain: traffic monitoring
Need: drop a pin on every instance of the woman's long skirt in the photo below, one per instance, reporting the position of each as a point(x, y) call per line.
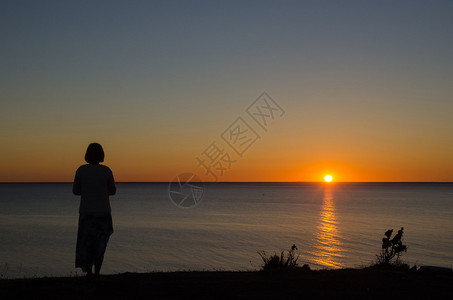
point(92, 238)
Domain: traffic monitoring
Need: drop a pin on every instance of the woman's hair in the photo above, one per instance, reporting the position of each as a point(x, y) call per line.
point(94, 154)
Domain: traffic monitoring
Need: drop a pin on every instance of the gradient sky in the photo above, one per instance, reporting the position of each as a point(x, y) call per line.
point(366, 87)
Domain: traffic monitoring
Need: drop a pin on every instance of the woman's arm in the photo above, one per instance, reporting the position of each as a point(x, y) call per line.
point(76, 186)
point(111, 184)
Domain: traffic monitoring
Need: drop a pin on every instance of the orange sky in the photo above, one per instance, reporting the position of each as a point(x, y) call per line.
point(279, 155)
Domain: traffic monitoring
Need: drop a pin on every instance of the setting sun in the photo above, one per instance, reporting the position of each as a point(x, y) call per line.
point(328, 178)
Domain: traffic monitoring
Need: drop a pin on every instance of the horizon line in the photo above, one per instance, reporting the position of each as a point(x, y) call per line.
point(332, 182)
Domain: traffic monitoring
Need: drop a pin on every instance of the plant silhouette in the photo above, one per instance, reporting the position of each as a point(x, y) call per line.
point(280, 261)
point(392, 248)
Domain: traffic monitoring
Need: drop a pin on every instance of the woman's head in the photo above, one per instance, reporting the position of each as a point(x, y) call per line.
point(94, 154)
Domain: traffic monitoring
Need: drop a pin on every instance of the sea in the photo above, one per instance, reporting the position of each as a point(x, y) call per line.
point(333, 225)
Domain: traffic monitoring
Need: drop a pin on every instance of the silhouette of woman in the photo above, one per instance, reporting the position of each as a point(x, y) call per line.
point(94, 182)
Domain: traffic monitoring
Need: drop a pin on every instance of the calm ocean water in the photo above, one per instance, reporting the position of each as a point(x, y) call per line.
point(338, 225)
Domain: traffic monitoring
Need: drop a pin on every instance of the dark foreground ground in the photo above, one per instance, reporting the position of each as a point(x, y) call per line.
point(298, 284)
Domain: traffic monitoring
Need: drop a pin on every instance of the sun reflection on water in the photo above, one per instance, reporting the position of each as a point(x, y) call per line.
point(327, 246)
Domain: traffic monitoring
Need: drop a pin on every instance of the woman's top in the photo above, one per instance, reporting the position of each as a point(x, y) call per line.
point(94, 183)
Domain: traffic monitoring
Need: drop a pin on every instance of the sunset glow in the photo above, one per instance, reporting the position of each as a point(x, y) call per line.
point(328, 244)
point(328, 178)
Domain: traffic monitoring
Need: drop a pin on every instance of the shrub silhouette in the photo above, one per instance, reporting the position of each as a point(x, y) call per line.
point(392, 248)
point(280, 261)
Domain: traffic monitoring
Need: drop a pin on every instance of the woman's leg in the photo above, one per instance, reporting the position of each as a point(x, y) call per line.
point(89, 271)
point(104, 223)
point(99, 257)
point(85, 242)
point(97, 265)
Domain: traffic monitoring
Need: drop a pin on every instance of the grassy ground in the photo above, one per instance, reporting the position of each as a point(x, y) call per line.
point(297, 284)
